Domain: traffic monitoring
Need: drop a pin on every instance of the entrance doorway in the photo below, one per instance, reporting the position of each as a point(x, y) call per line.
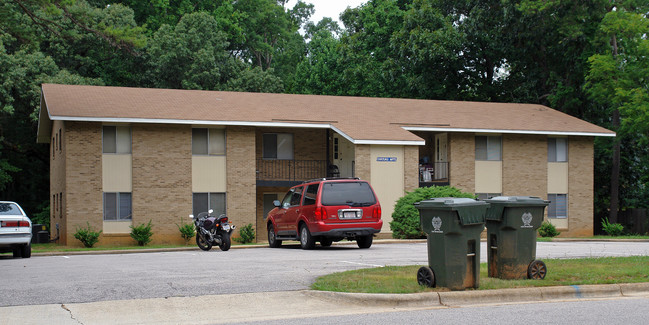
point(343, 151)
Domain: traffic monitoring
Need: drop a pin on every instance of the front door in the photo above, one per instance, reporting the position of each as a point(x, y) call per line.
point(441, 160)
point(343, 156)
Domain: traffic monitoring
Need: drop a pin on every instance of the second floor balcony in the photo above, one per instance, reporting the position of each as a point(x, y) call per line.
point(288, 172)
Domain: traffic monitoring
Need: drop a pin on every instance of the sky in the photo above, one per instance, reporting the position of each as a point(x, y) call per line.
point(328, 8)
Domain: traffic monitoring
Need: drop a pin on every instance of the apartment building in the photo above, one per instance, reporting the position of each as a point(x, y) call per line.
point(124, 156)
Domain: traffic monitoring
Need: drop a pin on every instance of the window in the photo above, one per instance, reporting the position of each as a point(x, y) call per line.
point(117, 206)
point(557, 149)
point(484, 196)
point(278, 146)
point(311, 194)
point(558, 207)
point(208, 142)
point(117, 139)
point(202, 202)
point(488, 148)
point(348, 193)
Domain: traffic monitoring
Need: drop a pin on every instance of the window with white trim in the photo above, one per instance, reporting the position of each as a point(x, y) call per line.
point(277, 146)
point(208, 142)
point(116, 139)
point(558, 207)
point(557, 149)
point(488, 148)
point(202, 202)
point(117, 206)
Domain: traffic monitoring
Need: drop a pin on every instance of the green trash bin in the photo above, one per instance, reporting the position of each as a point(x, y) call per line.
point(512, 222)
point(453, 227)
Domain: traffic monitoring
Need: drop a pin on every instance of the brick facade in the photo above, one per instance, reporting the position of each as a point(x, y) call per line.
point(580, 187)
point(83, 174)
point(162, 163)
point(57, 178)
point(162, 174)
point(241, 179)
point(525, 165)
point(362, 162)
point(461, 157)
point(411, 168)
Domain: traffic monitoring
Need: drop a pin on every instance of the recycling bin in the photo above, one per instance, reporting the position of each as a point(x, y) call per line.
point(512, 222)
point(453, 227)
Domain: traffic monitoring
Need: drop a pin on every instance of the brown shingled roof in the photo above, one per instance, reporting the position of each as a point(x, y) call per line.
point(362, 119)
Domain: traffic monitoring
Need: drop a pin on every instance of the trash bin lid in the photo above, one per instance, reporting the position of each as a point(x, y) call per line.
point(499, 203)
point(518, 200)
point(470, 211)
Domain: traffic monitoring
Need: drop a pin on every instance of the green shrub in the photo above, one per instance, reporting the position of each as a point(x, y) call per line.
point(246, 233)
point(548, 230)
point(612, 229)
point(142, 233)
point(187, 231)
point(87, 236)
point(405, 218)
point(42, 217)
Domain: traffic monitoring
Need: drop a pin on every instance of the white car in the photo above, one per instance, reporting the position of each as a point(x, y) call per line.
point(15, 230)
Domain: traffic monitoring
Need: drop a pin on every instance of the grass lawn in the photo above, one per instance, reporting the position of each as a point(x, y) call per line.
point(403, 279)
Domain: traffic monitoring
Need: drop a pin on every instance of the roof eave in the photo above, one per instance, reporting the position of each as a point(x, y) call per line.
point(44, 129)
point(237, 123)
point(540, 132)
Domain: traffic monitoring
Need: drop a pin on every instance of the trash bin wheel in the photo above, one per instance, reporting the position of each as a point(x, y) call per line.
point(537, 270)
point(426, 277)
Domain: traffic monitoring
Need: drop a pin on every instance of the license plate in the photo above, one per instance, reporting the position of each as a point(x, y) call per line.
point(349, 215)
point(226, 227)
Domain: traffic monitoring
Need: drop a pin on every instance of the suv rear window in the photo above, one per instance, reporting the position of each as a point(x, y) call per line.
point(347, 193)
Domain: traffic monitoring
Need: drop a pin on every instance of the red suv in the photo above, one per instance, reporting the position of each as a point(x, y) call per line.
point(326, 210)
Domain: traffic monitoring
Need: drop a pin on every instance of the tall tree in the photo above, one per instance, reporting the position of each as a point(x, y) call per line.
point(617, 80)
point(190, 55)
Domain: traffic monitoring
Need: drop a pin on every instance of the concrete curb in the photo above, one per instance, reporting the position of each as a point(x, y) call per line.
point(488, 297)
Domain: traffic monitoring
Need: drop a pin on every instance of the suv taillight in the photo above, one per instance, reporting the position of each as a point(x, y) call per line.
point(320, 213)
point(376, 213)
point(15, 224)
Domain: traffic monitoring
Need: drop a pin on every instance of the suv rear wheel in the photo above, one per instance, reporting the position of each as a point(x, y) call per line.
point(306, 240)
point(364, 241)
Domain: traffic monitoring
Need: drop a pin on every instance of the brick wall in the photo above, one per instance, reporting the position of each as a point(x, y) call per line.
point(83, 188)
point(411, 168)
point(580, 187)
point(362, 162)
point(57, 179)
point(162, 174)
point(525, 165)
point(461, 157)
point(241, 179)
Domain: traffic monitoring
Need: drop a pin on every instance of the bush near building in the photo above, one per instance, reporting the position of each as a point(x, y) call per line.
point(405, 218)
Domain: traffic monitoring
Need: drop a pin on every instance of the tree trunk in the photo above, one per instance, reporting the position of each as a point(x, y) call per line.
point(615, 173)
point(615, 168)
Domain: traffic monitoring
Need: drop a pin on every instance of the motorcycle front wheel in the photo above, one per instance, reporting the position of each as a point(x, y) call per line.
point(225, 240)
point(203, 243)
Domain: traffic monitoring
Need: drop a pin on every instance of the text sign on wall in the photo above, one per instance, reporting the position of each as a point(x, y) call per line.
point(388, 159)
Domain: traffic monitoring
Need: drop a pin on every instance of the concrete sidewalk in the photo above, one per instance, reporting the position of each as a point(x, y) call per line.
point(294, 304)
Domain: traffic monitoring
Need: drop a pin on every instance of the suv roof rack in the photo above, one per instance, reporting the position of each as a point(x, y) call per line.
point(329, 179)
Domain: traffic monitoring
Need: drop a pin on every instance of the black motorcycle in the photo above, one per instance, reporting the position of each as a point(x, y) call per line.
point(212, 231)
